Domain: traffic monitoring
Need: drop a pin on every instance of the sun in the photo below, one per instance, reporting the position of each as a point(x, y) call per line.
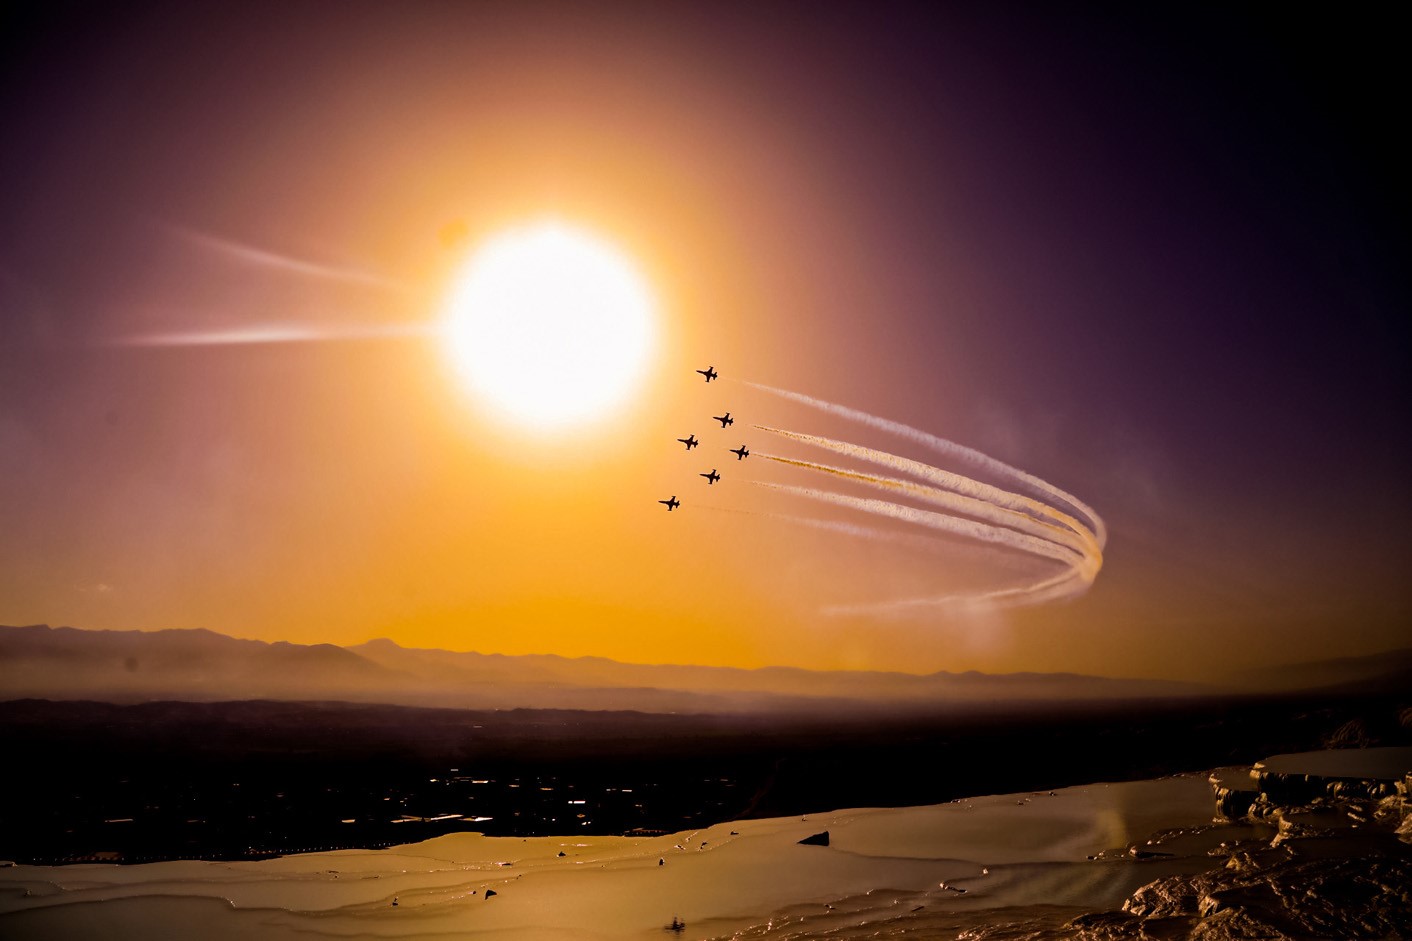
point(548, 325)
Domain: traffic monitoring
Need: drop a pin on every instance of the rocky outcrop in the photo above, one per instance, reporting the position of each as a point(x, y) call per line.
point(1363, 895)
point(1338, 865)
point(1340, 777)
point(1235, 793)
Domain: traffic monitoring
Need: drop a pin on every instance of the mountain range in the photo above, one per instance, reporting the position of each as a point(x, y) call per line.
point(43, 662)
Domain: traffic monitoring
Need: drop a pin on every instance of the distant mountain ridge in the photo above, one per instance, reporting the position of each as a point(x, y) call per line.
point(1388, 670)
point(38, 661)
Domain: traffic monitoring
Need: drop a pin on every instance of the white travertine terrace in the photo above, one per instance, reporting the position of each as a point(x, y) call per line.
point(1039, 862)
point(1034, 846)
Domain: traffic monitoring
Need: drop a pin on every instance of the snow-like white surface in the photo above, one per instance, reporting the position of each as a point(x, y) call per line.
point(1382, 764)
point(1003, 850)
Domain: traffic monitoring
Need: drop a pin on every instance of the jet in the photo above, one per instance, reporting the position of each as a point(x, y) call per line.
point(709, 372)
point(671, 504)
point(741, 453)
point(711, 478)
point(724, 419)
point(690, 441)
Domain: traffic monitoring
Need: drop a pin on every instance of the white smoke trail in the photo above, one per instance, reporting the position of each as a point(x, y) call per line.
point(936, 544)
point(955, 502)
point(1003, 518)
point(983, 532)
point(948, 480)
point(1064, 585)
point(951, 449)
point(846, 529)
point(1060, 587)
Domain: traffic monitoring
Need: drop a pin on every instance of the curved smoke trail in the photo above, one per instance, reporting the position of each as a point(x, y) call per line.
point(946, 480)
point(951, 449)
point(1059, 587)
point(972, 529)
point(956, 502)
point(1040, 526)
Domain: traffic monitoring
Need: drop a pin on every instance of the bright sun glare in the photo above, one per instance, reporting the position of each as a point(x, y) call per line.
point(549, 324)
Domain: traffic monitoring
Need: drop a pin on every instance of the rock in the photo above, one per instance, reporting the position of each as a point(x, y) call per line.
point(1236, 924)
point(1235, 792)
point(1174, 895)
point(1136, 853)
point(1352, 734)
point(1351, 895)
point(1339, 865)
point(1354, 773)
point(1106, 926)
point(817, 839)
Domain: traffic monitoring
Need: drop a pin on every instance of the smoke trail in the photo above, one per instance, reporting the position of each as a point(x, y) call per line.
point(873, 534)
point(1056, 588)
point(847, 529)
point(1040, 528)
point(951, 449)
point(1064, 585)
point(947, 480)
point(955, 502)
point(267, 259)
point(983, 532)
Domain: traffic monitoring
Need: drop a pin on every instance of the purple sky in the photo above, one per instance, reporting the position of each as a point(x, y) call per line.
point(1153, 254)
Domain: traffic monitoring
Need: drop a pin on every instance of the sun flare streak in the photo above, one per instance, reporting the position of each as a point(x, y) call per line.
point(274, 333)
point(264, 258)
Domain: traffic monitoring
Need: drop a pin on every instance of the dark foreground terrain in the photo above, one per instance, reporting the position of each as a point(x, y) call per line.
point(161, 780)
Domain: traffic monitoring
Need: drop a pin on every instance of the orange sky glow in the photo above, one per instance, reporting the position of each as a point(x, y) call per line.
point(822, 226)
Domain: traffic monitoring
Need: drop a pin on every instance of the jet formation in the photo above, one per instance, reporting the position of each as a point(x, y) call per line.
point(741, 453)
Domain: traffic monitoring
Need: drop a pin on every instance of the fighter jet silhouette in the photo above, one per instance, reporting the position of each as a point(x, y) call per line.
point(724, 419)
point(690, 441)
point(671, 504)
point(709, 372)
point(711, 478)
point(741, 453)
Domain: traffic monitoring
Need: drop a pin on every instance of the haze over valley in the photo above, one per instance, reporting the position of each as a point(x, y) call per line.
point(196, 665)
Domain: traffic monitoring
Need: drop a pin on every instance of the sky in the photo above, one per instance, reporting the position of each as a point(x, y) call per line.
point(1149, 255)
